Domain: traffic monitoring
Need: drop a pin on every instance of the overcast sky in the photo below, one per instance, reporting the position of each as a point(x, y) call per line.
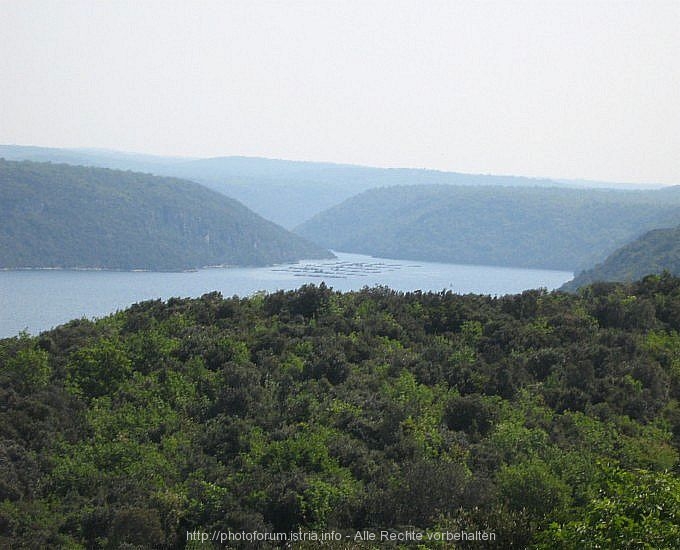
point(563, 89)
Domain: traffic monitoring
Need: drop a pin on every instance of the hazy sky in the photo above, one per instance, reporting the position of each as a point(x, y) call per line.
point(564, 89)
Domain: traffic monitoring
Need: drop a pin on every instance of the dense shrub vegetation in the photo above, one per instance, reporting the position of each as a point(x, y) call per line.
point(550, 419)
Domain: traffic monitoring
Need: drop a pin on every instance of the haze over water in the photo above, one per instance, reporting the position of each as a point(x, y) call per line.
point(41, 299)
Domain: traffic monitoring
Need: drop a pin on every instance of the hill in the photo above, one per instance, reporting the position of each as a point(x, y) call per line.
point(102, 158)
point(286, 192)
point(551, 228)
point(56, 215)
point(654, 252)
point(545, 419)
point(307, 188)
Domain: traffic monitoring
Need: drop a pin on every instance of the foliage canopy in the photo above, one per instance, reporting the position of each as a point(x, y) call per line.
point(551, 419)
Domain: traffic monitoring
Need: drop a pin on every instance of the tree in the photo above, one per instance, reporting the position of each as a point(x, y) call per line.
point(635, 509)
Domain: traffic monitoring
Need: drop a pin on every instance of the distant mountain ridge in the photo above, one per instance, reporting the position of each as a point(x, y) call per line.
point(652, 253)
point(550, 228)
point(58, 215)
point(284, 191)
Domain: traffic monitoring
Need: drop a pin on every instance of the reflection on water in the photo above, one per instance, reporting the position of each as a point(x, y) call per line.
point(38, 300)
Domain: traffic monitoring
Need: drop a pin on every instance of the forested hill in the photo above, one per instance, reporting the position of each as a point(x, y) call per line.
point(307, 188)
point(283, 191)
point(551, 228)
point(547, 419)
point(286, 192)
point(654, 252)
point(56, 215)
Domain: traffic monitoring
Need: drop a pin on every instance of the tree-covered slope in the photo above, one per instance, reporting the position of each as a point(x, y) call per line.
point(550, 228)
point(655, 251)
point(56, 215)
point(283, 191)
point(286, 192)
point(551, 420)
point(307, 188)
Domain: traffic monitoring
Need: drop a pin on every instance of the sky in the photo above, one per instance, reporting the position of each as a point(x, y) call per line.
point(557, 89)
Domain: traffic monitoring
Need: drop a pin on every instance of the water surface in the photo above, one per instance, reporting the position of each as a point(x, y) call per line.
point(41, 299)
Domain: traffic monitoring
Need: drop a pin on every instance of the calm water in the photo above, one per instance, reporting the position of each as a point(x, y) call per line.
point(39, 300)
